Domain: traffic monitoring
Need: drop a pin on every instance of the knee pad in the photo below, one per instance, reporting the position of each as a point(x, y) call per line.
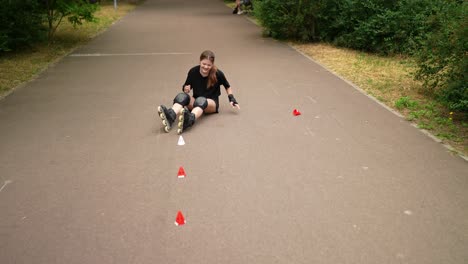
point(201, 102)
point(183, 99)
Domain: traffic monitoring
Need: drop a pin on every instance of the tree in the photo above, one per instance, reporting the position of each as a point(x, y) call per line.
point(76, 11)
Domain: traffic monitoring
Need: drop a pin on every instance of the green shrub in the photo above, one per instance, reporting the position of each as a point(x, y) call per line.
point(442, 60)
point(288, 19)
point(20, 24)
point(386, 27)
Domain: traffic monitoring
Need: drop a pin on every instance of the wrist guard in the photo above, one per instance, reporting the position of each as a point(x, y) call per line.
point(232, 99)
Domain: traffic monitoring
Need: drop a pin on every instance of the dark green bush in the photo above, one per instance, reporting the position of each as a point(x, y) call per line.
point(442, 59)
point(382, 26)
point(20, 24)
point(288, 19)
point(385, 27)
point(338, 18)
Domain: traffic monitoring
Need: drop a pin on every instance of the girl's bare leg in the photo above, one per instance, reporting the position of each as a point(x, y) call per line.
point(211, 108)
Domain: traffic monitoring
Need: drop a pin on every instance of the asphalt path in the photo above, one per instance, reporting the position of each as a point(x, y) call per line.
point(87, 174)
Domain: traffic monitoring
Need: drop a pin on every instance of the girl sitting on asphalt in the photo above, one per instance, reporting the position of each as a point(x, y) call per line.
point(205, 80)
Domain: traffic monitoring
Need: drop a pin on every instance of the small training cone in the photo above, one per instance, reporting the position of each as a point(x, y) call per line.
point(181, 173)
point(181, 141)
point(296, 112)
point(180, 220)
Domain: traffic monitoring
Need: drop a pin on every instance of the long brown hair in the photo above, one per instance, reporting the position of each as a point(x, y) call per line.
point(208, 54)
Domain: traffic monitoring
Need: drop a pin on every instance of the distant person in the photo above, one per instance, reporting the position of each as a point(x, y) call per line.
point(205, 81)
point(237, 9)
point(240, 4)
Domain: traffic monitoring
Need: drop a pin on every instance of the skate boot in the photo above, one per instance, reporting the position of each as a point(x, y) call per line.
point(186, 120)
point(167, 116)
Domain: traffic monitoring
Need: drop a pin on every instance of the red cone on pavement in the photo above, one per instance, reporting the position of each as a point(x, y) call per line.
point(296, 112)
point(181, 173)
point(180, 220)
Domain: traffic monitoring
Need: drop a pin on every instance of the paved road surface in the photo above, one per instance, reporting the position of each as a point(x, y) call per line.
point(87, 174)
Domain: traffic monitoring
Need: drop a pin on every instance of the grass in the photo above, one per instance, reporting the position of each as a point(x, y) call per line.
point(390, 80)
point(21, 66)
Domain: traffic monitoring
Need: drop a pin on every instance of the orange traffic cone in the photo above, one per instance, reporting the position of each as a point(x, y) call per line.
point(296, 112)
point(180, 220)
point(181, 173)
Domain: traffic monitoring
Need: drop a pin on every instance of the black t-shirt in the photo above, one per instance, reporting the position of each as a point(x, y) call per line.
point(199, 83)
